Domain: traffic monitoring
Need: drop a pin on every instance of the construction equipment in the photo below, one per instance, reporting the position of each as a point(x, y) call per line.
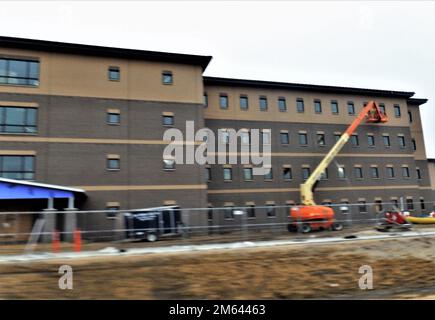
point(393, 220)
point(310, 216)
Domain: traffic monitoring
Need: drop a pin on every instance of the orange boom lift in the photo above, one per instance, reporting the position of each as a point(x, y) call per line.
point(310, 216)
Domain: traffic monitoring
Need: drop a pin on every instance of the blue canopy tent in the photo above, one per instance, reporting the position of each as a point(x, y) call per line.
point(25, 190)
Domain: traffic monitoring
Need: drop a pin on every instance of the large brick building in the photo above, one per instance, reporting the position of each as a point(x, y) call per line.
point(92, 118)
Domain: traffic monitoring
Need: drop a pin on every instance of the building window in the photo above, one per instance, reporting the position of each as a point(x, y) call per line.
point(287, 173)
point(244, 103)
point(19, 72)
point(167, 77)
point(410, 116)
point(337, 136)
point(111, 212)
point(208, 174)
point(270, 211)
point(282, 106)
point(418, 172)
point(114, 74)
point(250, 211)
point(317, 106)
point(223, 101)
point(17, 167)
point(229, 214)
point(358, 172)
point(228, 174)
point(305, 173)
point(374, 172)
point(397, 112)
point(414, 145)
point(386, 140)
point(382, 108)
point(269, 174)
point(378, 206)
point(113, 163)
point(169, 164)
point(341, 172)
point(390, 172)
point(303, 140)
point(350, 108)
point(263, 104)
point(168, 120)
point(265, 137)
point(113, 117)
point(362, 206)
point(300, 108)
point(354, 140)
point(18, 120)
point(405, 172)
point(321, 139)
point(402, 143)
point(247, 174)
point(205, 100)
point(410, 204)
point(284, 138)
point(422, 204)
point(324, 175)
point(334, 107)
point(371, 140)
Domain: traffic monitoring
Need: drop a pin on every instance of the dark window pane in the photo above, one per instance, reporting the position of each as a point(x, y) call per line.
point(269, 174)
point(167, 78)
point(390, 172)
point(300, 105)
point(223, 102)
point(282, 105)
point(354, 140)
point(205, 100)
point(113, 163)
point(114, 118)
point(247, 172)
point(287, 173)
point(114, 74)
point(321, 139)
point(303, 139)
point(402, 141)
point(271, 210)
point(317, 106)
point(244, 103)
point(34, 70)
point(358, 173)
point(168, 120)
point(418, 174)
point(228, 174)
point(386, 141)
point(18, 69)
point(263, 104)
point(405, 172)
point(371, 140)
point(375, 172)
point(382, 108)
point(350, 108)
point(12, 163)
point(334, 107)
point(397, 112)
point(305, 173)
point(410, 116)
point(3, 71)
point(15, 116)
point(284, 138)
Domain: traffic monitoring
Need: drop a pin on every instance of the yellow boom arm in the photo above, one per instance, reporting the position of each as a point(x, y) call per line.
point(306, 189)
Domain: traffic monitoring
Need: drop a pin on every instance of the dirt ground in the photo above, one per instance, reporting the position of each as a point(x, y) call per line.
point(402, 268)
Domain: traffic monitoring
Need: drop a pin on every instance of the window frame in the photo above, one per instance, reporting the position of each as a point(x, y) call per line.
point(28, 78)
point(4, 124)
point(22, 165)
point(115, 69)
point(167, 73)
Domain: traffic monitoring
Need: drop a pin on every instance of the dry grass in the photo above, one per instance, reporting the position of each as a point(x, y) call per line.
point(402, 268)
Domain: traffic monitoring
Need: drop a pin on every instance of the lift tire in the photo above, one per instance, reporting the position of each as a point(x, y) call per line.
point(305, 228)
point(151, 237)
point(337, 226)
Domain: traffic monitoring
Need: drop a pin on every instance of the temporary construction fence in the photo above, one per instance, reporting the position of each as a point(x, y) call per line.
point(205, 224)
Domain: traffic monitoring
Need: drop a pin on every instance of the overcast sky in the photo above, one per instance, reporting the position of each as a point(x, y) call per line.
point(382, 45)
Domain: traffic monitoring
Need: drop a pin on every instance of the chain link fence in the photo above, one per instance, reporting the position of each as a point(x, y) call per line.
point(172, 225)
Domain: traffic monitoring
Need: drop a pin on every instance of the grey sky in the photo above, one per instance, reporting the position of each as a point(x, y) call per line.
point(384, 45)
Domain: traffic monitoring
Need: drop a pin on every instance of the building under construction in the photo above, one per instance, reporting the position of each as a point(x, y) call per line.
point(82, 128)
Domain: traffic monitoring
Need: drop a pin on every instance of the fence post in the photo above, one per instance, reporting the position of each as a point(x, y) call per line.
point(77, 240)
